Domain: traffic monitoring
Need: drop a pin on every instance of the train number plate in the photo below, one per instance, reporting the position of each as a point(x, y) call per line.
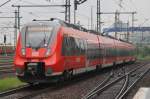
point(32, 64)
point(35, 53)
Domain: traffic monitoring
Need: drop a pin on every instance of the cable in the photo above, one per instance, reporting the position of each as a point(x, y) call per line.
point(5, 3)
point(26, 2)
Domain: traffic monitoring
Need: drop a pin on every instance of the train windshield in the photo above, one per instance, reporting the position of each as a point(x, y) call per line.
point(38, 36)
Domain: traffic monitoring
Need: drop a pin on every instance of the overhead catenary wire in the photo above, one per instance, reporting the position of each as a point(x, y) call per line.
point(5, 3)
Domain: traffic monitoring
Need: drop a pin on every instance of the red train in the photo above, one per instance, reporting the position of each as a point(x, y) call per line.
point(51, 49)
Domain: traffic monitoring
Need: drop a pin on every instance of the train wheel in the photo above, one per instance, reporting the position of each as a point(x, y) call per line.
point(67, 75)
point(98, 67)
point(31, 83)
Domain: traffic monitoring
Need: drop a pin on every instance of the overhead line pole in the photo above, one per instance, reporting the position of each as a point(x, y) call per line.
point(99, 16)
point(91, 17)
point(15, 26)
point(76, 3)
point(133, 13)
point(67, 9)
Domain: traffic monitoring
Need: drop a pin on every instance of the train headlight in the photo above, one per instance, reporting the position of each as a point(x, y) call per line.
point(23, 51)
point(48, 52)
point(19, 71)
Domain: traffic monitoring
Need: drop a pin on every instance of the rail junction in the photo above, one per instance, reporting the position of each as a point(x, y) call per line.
point(112, 82)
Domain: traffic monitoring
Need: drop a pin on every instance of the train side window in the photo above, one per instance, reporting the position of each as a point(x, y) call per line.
point(79, 50)
point(82, 47)
point(72, 45)
point(77, 45)
point(88, 50)
point(85, 45)
point(65, 46)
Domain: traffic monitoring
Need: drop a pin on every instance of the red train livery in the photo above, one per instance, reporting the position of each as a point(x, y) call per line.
point(53, 49)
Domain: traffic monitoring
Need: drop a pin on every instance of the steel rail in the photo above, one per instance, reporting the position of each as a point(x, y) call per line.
point(123, 88)
point(101, 84)
point(14, 90)
point(111, 83)
point(133, 84)
point(33, 94)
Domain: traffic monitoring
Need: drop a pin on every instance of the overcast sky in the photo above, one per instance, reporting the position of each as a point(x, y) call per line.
point(83, 14)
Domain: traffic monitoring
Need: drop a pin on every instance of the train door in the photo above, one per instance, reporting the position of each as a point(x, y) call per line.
point(116, 53)
point(86, 54)
point(99, 52)
point(104, 54)
point(103, 51)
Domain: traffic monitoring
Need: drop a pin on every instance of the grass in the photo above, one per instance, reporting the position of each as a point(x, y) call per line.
point(6, 61)
point(142, 58)
point(9, 83)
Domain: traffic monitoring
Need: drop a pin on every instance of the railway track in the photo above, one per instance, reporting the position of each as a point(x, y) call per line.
point(6, 64)
point(27, 91)
point(6, 69)
point(14, 90)
point(52, 90)
point(35, 93)
point(6, 60)
point(127, 85)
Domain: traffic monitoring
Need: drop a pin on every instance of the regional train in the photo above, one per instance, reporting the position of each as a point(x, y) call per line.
point(47, 50)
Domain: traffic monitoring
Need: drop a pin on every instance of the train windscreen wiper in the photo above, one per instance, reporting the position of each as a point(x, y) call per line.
point(43, 41)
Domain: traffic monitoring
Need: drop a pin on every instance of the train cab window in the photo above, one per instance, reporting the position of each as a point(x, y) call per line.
point(38, 35)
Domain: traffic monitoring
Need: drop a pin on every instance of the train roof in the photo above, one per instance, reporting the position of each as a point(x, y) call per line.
point(77, 27)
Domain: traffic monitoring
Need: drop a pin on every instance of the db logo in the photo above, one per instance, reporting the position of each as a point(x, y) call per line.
point(35, 53)
point(77, 59)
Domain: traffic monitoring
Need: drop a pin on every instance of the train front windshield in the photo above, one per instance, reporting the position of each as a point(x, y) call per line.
point(38, 36)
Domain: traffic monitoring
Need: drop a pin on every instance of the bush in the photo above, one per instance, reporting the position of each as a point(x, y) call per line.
point(143, 52)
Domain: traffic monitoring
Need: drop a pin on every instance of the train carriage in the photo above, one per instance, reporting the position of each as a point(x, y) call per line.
point(54, 49)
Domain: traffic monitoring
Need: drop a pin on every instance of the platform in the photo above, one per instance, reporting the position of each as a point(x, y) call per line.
point(143, 93)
